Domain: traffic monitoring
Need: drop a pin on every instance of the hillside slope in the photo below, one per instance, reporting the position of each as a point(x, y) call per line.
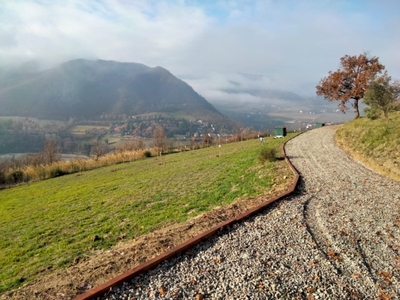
point(101, 89)
point(50, 224)
point(374, 142)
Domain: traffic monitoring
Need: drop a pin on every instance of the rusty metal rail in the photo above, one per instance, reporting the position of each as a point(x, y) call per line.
point(151, 264)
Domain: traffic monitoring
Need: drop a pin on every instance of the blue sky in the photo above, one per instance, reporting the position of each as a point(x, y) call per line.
point(290, 45)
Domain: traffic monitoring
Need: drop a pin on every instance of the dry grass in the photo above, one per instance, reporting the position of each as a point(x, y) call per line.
point(36, 171)
point(31, 173)
point(374, 142)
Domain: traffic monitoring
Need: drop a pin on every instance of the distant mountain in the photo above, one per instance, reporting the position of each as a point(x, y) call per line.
point(87, 89)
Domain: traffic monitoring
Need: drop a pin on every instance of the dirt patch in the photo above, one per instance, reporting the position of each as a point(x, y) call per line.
point(107, 264)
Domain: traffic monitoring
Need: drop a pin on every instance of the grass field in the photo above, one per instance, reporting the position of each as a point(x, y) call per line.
point(375, 142)
point(47, 225)
point(81, 129)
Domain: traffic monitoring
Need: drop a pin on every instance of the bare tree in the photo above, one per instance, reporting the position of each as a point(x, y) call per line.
point(99, 148)
point(139, 145)
point(51, 151)
point(192, 142)
point(159, 140)
point(350, 81)
point(127, 146)
point(207, 139)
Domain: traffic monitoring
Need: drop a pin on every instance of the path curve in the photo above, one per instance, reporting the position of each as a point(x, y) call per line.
point(337, 237)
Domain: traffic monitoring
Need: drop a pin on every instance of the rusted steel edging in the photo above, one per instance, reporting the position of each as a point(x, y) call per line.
point(151, 264)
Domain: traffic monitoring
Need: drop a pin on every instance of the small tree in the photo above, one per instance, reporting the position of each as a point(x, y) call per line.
point(207, 139)
point(128, 146)
point(350, 81)
point(139, 145)
point(267, 154)
point(193, 142)
point(99, 148)
point(51, 151)
point(381, 97)
point(159, 139)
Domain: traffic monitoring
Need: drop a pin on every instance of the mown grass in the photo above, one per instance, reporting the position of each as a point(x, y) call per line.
point(46, 225)
point(375, 142)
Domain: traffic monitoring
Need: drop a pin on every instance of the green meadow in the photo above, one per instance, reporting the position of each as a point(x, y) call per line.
point(46, 225)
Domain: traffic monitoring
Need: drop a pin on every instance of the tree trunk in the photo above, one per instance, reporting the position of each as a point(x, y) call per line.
point(356, 110)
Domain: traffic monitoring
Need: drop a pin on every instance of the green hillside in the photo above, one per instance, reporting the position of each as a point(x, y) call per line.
point(47, 225)
point(374, 142)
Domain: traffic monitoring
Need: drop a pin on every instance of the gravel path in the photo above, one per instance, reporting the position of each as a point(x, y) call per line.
point(338, 237)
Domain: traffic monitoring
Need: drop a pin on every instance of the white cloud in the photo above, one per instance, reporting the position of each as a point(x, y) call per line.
point(292, 43)
point(114, 30)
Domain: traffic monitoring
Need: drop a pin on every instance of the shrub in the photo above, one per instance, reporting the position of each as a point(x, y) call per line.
point(147, 153)
point(73, 167)
point(371, 113)
point(15, 176)
point(31, 173)
point(56, 171)
point(267, 154)
point(41, 171)
point(2, 177)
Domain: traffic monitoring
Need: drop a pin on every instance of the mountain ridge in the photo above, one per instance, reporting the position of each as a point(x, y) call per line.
point(92, 89)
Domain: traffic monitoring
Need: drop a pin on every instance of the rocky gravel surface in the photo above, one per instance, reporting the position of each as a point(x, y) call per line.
point(337, 237)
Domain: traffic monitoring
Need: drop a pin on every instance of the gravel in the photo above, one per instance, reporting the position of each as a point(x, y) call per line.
point(337, 237)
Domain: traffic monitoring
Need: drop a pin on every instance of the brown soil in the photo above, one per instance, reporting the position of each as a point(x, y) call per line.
point(107, 264)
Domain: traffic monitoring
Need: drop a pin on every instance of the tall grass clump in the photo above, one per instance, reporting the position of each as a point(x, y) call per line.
point(2, 177)
point(267, 154)
point(15, 177)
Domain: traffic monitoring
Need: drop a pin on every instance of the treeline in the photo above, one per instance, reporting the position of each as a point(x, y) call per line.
point(143, 126)
point(23, 135)
point(19, 142)
point(27, 136)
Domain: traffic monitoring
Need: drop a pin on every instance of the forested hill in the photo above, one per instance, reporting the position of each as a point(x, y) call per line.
point(89, 89)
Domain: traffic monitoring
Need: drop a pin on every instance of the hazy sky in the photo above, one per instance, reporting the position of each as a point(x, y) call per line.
point(212, 45)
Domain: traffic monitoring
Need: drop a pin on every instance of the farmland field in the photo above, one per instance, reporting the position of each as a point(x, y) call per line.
point(50, 224)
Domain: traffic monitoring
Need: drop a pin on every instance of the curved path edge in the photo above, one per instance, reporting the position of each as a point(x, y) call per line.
point(151, 264)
